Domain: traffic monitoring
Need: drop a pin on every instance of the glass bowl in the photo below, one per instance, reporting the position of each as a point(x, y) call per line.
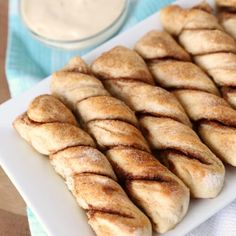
point(86, 42)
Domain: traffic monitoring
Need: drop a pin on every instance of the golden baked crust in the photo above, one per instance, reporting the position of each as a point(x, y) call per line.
point(55, 111)
point(172, 71)
point(221, 139)
point(173, 74)
point(68, 85)
point(152, 102)
point(81, 159)
point(87, 172)
point(118, 69)
point(142, 167)
point(112, 133)
point(223, 75)
point(227, 15)
point(166, 47)
point(229, 94)
point(228, 21)
point(214, 41)
point(226, 3)
point(94, 109)
point(194, 18)
point(185, 155)
point(213, 118)
point(159, 193)
point(215, 108)
point(143, 99)
point(196, 92)
point(212, 48)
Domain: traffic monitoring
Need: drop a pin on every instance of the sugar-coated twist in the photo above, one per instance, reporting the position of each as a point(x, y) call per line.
point(172, 70)
point(159, 193)
point(227, 15)
point(52, 130)
point(216, 119)
point(204, 38)
point(163, 120)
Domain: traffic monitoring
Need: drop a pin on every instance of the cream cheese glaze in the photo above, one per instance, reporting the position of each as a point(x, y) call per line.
point(67, 20)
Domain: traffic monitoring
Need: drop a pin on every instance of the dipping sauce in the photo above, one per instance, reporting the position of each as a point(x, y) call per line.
point(68, 20)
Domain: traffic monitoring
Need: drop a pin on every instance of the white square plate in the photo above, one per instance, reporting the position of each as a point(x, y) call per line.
point(45, 192)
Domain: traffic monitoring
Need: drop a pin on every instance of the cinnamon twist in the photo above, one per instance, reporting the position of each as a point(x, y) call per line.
point(163, 121)
point(206, 107)
point(227, 15)
point(52, 130)
point(194, 89)
point(160, 194)
point(214, 50)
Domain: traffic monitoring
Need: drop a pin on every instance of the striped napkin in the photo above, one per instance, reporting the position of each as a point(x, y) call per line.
point(29, 61)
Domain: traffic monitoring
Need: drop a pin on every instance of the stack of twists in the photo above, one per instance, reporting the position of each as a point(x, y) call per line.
point(126, 76)
point(52, 130)
point(227, 15)
point(203, 37)
point(159, 193)
point(215, 119)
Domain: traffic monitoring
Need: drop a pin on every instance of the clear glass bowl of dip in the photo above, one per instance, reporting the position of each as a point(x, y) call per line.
point(84, 42)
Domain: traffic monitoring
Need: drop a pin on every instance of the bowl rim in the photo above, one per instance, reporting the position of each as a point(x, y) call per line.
point(37, 35)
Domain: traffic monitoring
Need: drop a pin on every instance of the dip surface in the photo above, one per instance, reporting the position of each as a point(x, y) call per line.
point(67, 20)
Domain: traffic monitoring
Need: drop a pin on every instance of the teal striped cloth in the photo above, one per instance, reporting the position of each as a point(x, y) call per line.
point(29, 61)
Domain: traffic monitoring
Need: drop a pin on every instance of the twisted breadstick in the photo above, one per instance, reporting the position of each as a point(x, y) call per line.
point(227, 15)
point(194, 89)
point(202, 36)
point(161, 195)
point(51, 129)
point(163, 120)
